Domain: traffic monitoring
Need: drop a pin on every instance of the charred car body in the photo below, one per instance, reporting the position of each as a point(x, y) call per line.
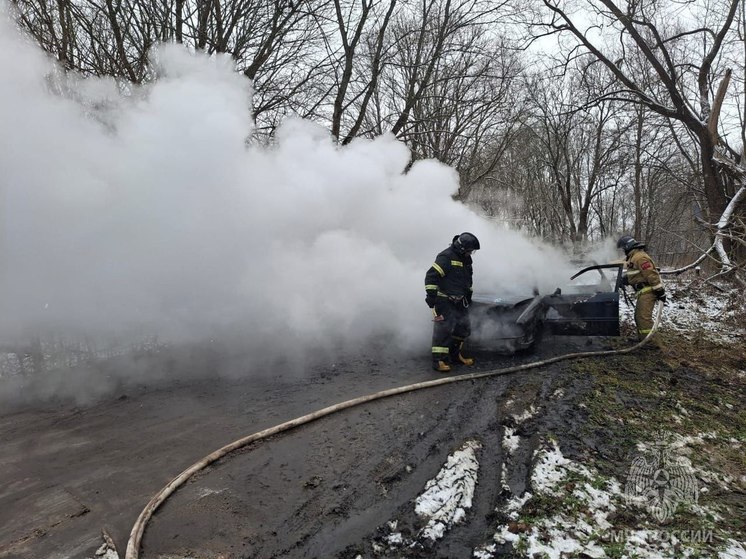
point(583, 309)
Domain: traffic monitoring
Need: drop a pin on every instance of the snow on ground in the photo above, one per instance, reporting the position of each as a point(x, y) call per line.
point(106, 553)
point(107, 549)
point(584, 527)
point(735, 550)
point(527, 414)
point(447, 497)
point(511, 441)
point(515, 504)
point(444, 501)
point(558, 536)
point(692, 310)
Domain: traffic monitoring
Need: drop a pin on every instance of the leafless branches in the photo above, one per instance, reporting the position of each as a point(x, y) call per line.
point(623, 130)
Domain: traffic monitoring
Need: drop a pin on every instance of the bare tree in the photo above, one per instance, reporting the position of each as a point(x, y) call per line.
point(579, 154)
point(359, 60)
point(690, 86)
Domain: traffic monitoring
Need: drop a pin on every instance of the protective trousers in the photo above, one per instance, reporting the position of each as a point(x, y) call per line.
point(644, 312)
point(449, 334)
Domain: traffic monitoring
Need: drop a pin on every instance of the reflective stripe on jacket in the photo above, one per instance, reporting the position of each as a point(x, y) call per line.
point(641, 271)
point(450, 275)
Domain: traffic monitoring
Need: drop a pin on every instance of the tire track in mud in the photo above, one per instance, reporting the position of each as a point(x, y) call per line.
point(371, 473)
point(546, 400)
point(342, 479)
point(503, 472)
point(475, 419)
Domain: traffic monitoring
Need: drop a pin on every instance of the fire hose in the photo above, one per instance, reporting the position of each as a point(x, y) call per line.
point(135, 540)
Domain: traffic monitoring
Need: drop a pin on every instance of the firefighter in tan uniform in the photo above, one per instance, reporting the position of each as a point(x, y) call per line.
point(641, 273)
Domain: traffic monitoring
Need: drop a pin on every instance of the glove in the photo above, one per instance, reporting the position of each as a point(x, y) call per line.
point(468, 297)
point(437, 317)
point(625, 279)
point(660, 294)
point(431, 299)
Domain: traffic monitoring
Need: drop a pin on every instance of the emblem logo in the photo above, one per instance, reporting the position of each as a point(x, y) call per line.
point(660, 480)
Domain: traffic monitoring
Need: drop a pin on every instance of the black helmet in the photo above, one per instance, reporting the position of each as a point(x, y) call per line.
point(466, 242)
point(628, 243)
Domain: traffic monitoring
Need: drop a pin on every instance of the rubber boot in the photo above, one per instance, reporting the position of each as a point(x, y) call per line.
point(441, 366)
point(458, 356)
point(468, 361)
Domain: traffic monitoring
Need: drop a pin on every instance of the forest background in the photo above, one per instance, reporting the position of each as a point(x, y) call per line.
point(572, 120)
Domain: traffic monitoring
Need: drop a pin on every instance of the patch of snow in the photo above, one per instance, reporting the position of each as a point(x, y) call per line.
point(505, 486)
point(714, 478)
point(447, 497)
point(583, 527)
point(551, 467)
point(677, 442)
point(394, 539)
point(206, 492)
point(515, 504)
point(599, 501)
point(485, 552)
point(526, 415)
point(687, 313)
point(550, 543)
point(734, 551)
point(703, 512)
point(107, 549)
point(105, 552)
point(511, 441)
point(653, 544)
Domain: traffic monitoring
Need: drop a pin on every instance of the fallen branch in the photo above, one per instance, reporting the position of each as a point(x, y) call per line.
point(720, 234)
point(688, 266)
point(722, 273)
point(722, 224)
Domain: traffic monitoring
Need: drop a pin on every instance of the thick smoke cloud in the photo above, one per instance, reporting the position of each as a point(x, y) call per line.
point(147, 213)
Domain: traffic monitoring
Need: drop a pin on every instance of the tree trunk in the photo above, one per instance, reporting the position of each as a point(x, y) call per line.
point(179, 21)
point(637, 233)
point(714, 191)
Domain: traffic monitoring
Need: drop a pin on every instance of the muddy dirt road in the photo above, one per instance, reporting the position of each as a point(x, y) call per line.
point(324, 490)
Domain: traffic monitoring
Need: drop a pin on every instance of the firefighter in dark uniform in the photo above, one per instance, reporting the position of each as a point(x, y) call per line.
point(448, 286)
point(640, 273)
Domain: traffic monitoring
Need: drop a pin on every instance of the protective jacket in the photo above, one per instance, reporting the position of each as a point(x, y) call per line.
point(449, 276)
point(641, 272)
point(642, 275)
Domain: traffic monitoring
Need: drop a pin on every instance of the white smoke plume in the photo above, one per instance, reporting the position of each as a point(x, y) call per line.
point(147, 213)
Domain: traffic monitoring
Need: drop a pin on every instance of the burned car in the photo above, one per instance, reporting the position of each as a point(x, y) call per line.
point(581, 309)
